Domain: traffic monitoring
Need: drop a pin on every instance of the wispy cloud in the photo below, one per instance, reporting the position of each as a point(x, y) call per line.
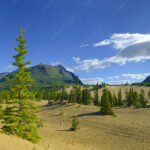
point(60, 30)
point(69, 69)
point(89, 64)
point(132, 76)
point(130, 48)
point(47, 5)
point(92, 81)
point(120, 6)
point(55, 63)
point(10, 68)
point(84, 45)
point(76, 59)
point(123, 40)
point(119, 82)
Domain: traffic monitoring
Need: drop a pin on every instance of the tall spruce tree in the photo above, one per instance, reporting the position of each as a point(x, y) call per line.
point(105, 104)
point(142, 99)
point(120, 98)
point(115, 100)
point(19, 118)
point(110, 98)
point(149, 94)
point(96, 94)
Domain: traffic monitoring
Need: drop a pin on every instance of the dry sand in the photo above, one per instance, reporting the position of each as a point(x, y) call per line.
point(14, 143)
point(130, 130)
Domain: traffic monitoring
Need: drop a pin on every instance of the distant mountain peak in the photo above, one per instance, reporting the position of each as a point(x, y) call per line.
point(147, 79)
point(47, 74)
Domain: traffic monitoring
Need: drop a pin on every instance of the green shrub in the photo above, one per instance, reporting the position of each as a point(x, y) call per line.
point(75, 123)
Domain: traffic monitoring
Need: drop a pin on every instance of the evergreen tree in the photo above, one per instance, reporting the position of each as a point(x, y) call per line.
point(86, 96)
point(149, 94)
point(115, 101)
point(111, 98)
point(130, 100)
point(119, 98)
point(75, 123)
point(96, 94)
point(19, 119)
point(78, 95)
point(70, 99)
point(142, 99)
point(135, 98)
point(105, 104)
point(126, 97)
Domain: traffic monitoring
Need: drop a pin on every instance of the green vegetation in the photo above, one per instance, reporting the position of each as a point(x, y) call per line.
point(44, 76)
point(105, 104)
point(96, 96)
point(142, 84)
point(19, 118)
point(75, 123)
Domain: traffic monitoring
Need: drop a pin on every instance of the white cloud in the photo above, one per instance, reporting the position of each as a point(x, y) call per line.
point(10, 68)
point(55, 63)
point(90, 64)
point(132, 76)
point(84, 45)
point(92, 81)
point(76, 59)
point(131, 48)
point(118, 82)
point(123, 40)
point(69, 69)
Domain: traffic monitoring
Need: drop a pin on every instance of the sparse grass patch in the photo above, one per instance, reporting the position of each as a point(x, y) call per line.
point(62, 111)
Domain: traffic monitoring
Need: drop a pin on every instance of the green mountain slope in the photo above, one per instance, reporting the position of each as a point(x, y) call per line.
point(46, 74)
point(147, 79)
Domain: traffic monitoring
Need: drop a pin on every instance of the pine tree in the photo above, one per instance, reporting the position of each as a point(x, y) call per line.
point(126, 97)
point(78, 96)
point(96, 94)
point(105, 104)
point(115, 101)
point(19, 118)
point(110, 98)
point(86, 96)
point(130, 99)
point(135, 98)
point(120, 98)
point(75, 123)
point(70, 99)
point(149, 94)
point(142, 99)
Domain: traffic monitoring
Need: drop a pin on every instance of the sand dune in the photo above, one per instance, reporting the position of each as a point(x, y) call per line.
point(130, 130)
point(13, 143)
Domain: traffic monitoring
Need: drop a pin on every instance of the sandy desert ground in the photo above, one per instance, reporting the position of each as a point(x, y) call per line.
point(130, 130)
point(13, 143)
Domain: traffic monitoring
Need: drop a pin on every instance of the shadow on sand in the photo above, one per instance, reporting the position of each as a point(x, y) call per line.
point(56, 105)
point(68, 130)
point(90, 114)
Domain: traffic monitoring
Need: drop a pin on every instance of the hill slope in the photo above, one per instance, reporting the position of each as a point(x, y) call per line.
point(147, 79)
point(47, 74)
point(13, 143)
point(130, 130)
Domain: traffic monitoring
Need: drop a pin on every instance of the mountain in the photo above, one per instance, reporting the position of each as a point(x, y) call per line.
point(3, 74)
point(146, 82)
point(46, 74)
point(147, 79)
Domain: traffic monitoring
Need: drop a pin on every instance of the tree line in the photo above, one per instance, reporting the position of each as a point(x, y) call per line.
point(82, 95)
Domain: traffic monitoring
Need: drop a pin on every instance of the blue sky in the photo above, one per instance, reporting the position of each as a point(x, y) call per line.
point(100, 40)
